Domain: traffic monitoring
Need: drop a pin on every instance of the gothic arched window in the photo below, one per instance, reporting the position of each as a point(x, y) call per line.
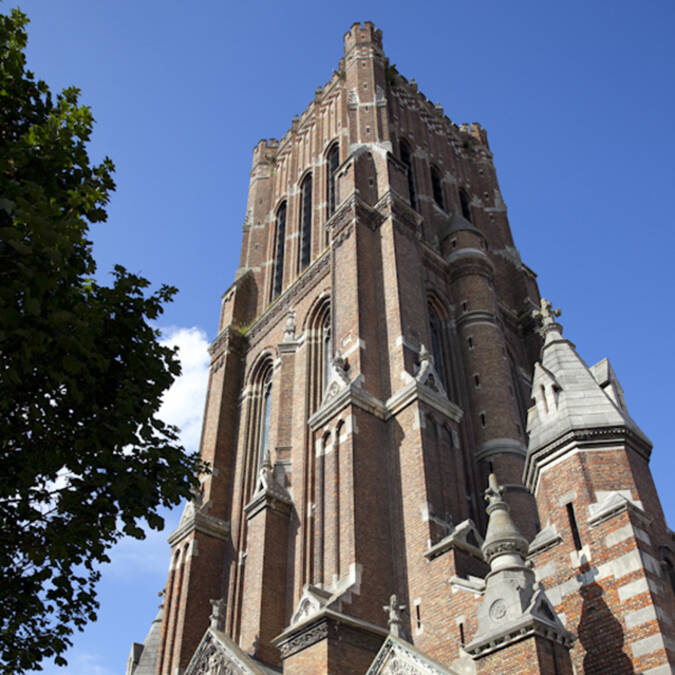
point(437, 188)
point(280, 244)
point(320, 352)
point(264, 445)
point(259, 418)
point(465, 203)
point(333, 158)
point(306, 222)
point(406, 158)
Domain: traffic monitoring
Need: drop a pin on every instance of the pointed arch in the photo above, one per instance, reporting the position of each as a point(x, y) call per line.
point(319, 340)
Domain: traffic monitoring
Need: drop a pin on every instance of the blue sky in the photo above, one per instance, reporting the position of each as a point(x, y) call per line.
point(578, 102)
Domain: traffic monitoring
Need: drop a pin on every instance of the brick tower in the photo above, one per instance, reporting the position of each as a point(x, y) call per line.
point(370, 380)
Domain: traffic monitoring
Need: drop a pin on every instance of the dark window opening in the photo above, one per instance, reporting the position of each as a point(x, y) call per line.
point(469, 341)
point(437, 349)
point(483, 420)
point(306, 222)
point(279, 254)
point(476, 380)
point(461, 634)
point(333, 162)
point(437, 187)
point(465, 203)
point(406, 158)
point(418, 617)
point(573, 526)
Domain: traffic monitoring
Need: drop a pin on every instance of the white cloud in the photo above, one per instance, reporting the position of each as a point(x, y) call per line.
point(183, 406)
point(183, 403)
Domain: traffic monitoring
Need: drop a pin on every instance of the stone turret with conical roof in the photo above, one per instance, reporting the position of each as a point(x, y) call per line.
point(604, 538)
point(518, 629)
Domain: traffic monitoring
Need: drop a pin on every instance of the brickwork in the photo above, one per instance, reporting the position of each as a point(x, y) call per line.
point(358, 403)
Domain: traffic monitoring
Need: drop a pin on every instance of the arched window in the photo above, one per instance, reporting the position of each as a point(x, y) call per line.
point(280, 244)
point(406, 158)
point(264, 444)
point(320, 351)
point(333, 162)
point(306, 222)
point(437, 346)
point(258, 421)
point(466, 205)
point(437, 187)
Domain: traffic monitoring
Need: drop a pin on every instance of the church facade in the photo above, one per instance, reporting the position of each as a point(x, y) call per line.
point(413, 471)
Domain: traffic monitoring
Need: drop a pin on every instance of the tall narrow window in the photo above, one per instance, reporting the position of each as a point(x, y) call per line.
point(406, 158)
point(573, 526)
point(263, 449)
point(327, 349)
point(279, 251)
point(306, 222)
point(333, 161)
point(465, 204)
point(320, 352)
point(437, 187)
point(437, 348)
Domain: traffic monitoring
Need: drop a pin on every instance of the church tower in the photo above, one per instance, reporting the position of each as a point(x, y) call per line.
point(373, 368)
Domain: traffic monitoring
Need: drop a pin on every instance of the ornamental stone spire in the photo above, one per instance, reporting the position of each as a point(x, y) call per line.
point(513, 609)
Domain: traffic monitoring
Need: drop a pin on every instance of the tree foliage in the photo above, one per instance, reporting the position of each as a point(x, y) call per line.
point(83, 457)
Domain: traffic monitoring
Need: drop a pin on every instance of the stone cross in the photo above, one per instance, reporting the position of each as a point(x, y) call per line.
point(217, 618)
point(394, 610)
point(545, 315)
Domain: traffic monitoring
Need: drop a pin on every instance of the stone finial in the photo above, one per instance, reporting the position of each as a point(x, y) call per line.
point(494, 492)
point(289, 327)
point(217, 618)
point(502, 538)
point(545, 317)
point(394, 620)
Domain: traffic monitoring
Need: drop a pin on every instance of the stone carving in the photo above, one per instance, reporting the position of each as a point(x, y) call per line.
point(426, 373)
point(337, 378)
point(498, 610)
point(545, 316)
point(353, 99)
point(212, 658)
point(394, 610)
point(304, 639)
point(217, 618)
point(289, 328)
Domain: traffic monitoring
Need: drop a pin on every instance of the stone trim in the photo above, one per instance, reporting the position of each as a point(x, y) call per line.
point(354, 394)
point(398, 656)
point(529, 627)
point(319, 626)
point(458, 539)
point(298, 289)
point(499, 446)
point(582, 440)
point(217, 653)
point(195, 520)
point(613, 505)
point(545, 539)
